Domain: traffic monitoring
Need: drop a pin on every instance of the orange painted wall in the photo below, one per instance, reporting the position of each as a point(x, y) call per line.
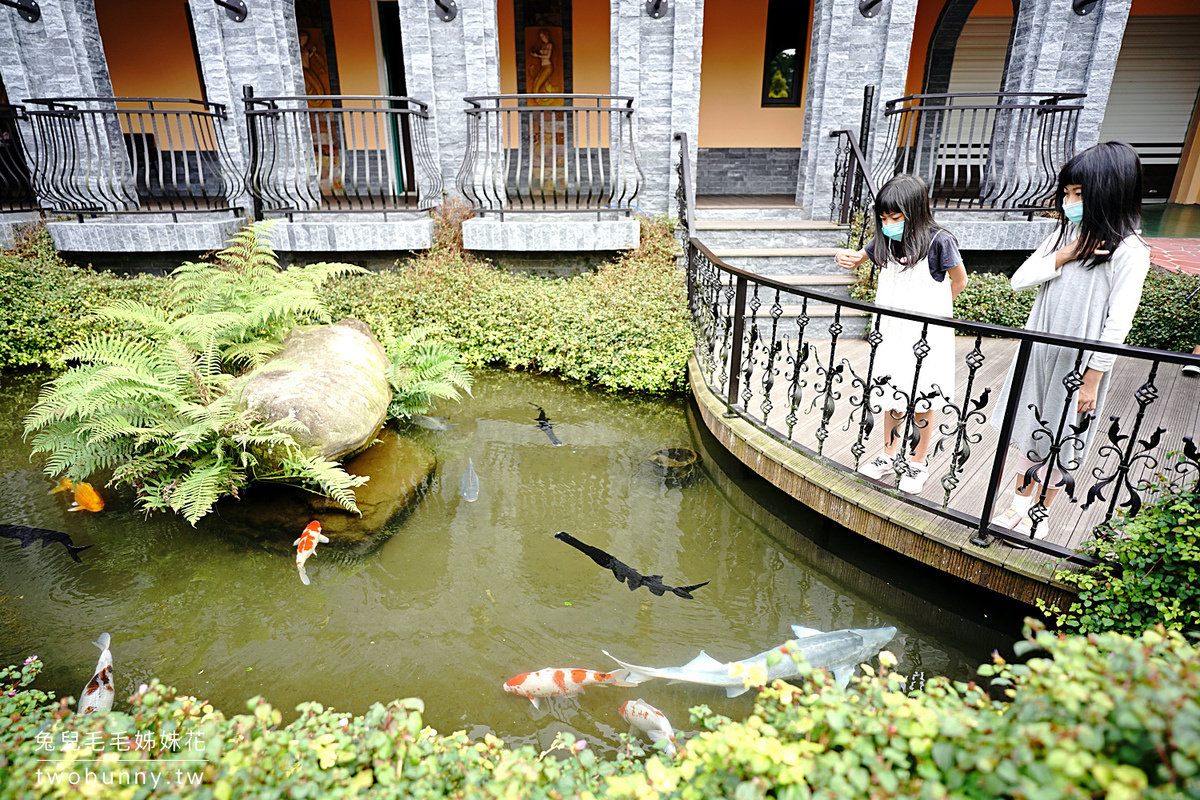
point(354, 36)
point(148, 49)
point(731, 74)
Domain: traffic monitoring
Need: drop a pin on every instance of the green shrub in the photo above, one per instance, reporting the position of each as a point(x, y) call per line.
point(1151, 574)
point(624, 327)
point(45, 303)
point(1100, 716)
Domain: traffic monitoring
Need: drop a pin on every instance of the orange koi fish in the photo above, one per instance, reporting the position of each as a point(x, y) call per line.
point(561, 682)
point(305, 546)
point(86, 498)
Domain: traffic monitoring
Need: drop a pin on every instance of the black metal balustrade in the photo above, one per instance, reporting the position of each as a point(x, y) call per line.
point(16, 183)
point(93, 155)
point(550, 152)
point(997, 151)
point(821, 395)
point(340, 153)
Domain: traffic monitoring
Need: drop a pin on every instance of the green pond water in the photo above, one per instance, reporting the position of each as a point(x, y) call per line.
point(462, 596)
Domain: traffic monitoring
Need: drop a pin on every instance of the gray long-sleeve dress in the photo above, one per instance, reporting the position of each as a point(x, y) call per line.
point(1074, 301)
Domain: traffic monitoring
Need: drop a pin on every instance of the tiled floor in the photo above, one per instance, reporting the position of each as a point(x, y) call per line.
point(1177, 255)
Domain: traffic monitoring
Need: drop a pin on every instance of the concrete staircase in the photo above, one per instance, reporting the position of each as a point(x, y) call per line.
point(777, 243)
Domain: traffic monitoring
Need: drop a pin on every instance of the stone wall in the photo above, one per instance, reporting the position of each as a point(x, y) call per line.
point(657, 61)
point(747, 170)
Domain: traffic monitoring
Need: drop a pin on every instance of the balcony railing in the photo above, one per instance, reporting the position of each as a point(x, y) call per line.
point(550, 152)
point(340, 153)
point(978, 151)
point(94, 155)
point(827, 396)
point(16, 183)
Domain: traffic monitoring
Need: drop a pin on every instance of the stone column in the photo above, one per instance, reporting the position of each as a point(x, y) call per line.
point(657, 61)
point(262, 51)
point(61, 55)
point(1056, 50)
point(445, 62)
point(849, 51)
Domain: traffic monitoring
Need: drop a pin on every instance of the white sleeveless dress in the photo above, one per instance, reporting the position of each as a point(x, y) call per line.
point(914, 290)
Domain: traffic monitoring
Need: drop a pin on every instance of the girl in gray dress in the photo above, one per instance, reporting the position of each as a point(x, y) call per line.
point(1090, 271)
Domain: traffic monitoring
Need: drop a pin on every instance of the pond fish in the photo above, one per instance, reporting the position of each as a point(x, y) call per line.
point(543, 422)
point(839, 652)
point(30, 535)
point(86, 498)
point(439, 424)
point(305, 546)
point(646, 717)
point(552, 682)
point(469, 487)
point(626, 574)
point(98, 694)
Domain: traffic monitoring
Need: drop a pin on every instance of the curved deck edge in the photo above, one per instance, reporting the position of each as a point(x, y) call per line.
point(865, 509)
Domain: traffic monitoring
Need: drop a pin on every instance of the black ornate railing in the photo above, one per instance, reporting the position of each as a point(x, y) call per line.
point(340, 153)
point(16, 182)
point(550, 152)
point(854, 190)
point(997, 151)
point(822, 396)
point(111, 155)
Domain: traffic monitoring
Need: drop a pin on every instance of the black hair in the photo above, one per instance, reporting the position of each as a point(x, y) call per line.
point(908, 195)
point(1110, 178)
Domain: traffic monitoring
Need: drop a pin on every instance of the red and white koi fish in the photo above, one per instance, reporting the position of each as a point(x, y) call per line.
point(561, 682)
point(86, 498)
point(641, 714)
point(305, 546)
point(98, 694)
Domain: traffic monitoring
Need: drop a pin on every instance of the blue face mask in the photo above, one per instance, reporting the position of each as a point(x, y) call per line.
point(893, 230)
point(1074, 212)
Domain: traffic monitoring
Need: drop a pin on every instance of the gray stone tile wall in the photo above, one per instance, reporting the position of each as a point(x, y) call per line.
point(848, 51)
point(657, 61)
point(747, 170)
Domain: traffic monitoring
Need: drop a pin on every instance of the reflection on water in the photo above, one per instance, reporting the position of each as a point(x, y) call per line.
point(463, 595)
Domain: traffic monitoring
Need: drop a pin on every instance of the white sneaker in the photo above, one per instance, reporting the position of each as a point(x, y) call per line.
point(876, 468)
point(913, 479)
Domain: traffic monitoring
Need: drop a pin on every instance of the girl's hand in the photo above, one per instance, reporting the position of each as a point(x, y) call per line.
point(1086, 399)
point(849, 259)
point(1069, 253)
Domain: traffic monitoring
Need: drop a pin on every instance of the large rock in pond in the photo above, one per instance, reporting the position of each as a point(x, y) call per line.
point(333, 379)
point(400, 471)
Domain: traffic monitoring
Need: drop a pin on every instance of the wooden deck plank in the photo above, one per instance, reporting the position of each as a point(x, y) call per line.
point(1176, 409)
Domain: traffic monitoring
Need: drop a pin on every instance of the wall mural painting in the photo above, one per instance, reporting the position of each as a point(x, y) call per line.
point(543, 39)
point(325, 129)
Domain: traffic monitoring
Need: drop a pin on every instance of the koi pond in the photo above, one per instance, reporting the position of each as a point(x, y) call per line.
point(463, 595)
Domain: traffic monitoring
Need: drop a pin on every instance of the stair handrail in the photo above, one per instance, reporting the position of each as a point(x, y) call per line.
point(685, 192)
point(855, 172)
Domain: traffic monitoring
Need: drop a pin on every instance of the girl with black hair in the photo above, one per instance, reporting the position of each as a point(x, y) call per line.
point(920, 270)
point(1090, 271)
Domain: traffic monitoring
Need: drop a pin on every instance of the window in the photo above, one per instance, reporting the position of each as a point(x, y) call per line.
point(787, 29)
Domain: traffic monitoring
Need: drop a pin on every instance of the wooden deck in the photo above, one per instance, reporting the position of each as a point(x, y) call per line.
point(1177, 409)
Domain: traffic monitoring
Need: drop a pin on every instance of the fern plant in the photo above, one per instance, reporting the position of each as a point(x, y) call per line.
point(161, 409)
point(423, 369)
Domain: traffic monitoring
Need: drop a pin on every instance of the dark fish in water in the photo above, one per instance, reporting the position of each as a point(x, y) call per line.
point(469, 488)
point(439, 424)
point(626, 574)
point(30, 535)
point(543, 422)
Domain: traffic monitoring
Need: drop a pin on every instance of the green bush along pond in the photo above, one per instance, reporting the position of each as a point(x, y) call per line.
point(1100, 716)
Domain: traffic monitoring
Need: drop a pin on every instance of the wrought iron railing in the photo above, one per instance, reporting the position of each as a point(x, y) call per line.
point(821, 395)
point(16, 182)
point(997, 151)
point(130, 155)
point(550, 152)
point(340, 153)
point(854, 190)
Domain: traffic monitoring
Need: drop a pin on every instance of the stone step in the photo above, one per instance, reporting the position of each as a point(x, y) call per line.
point(766, 224)
point(781, 261)
point(751, 213)
point(763, 235)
